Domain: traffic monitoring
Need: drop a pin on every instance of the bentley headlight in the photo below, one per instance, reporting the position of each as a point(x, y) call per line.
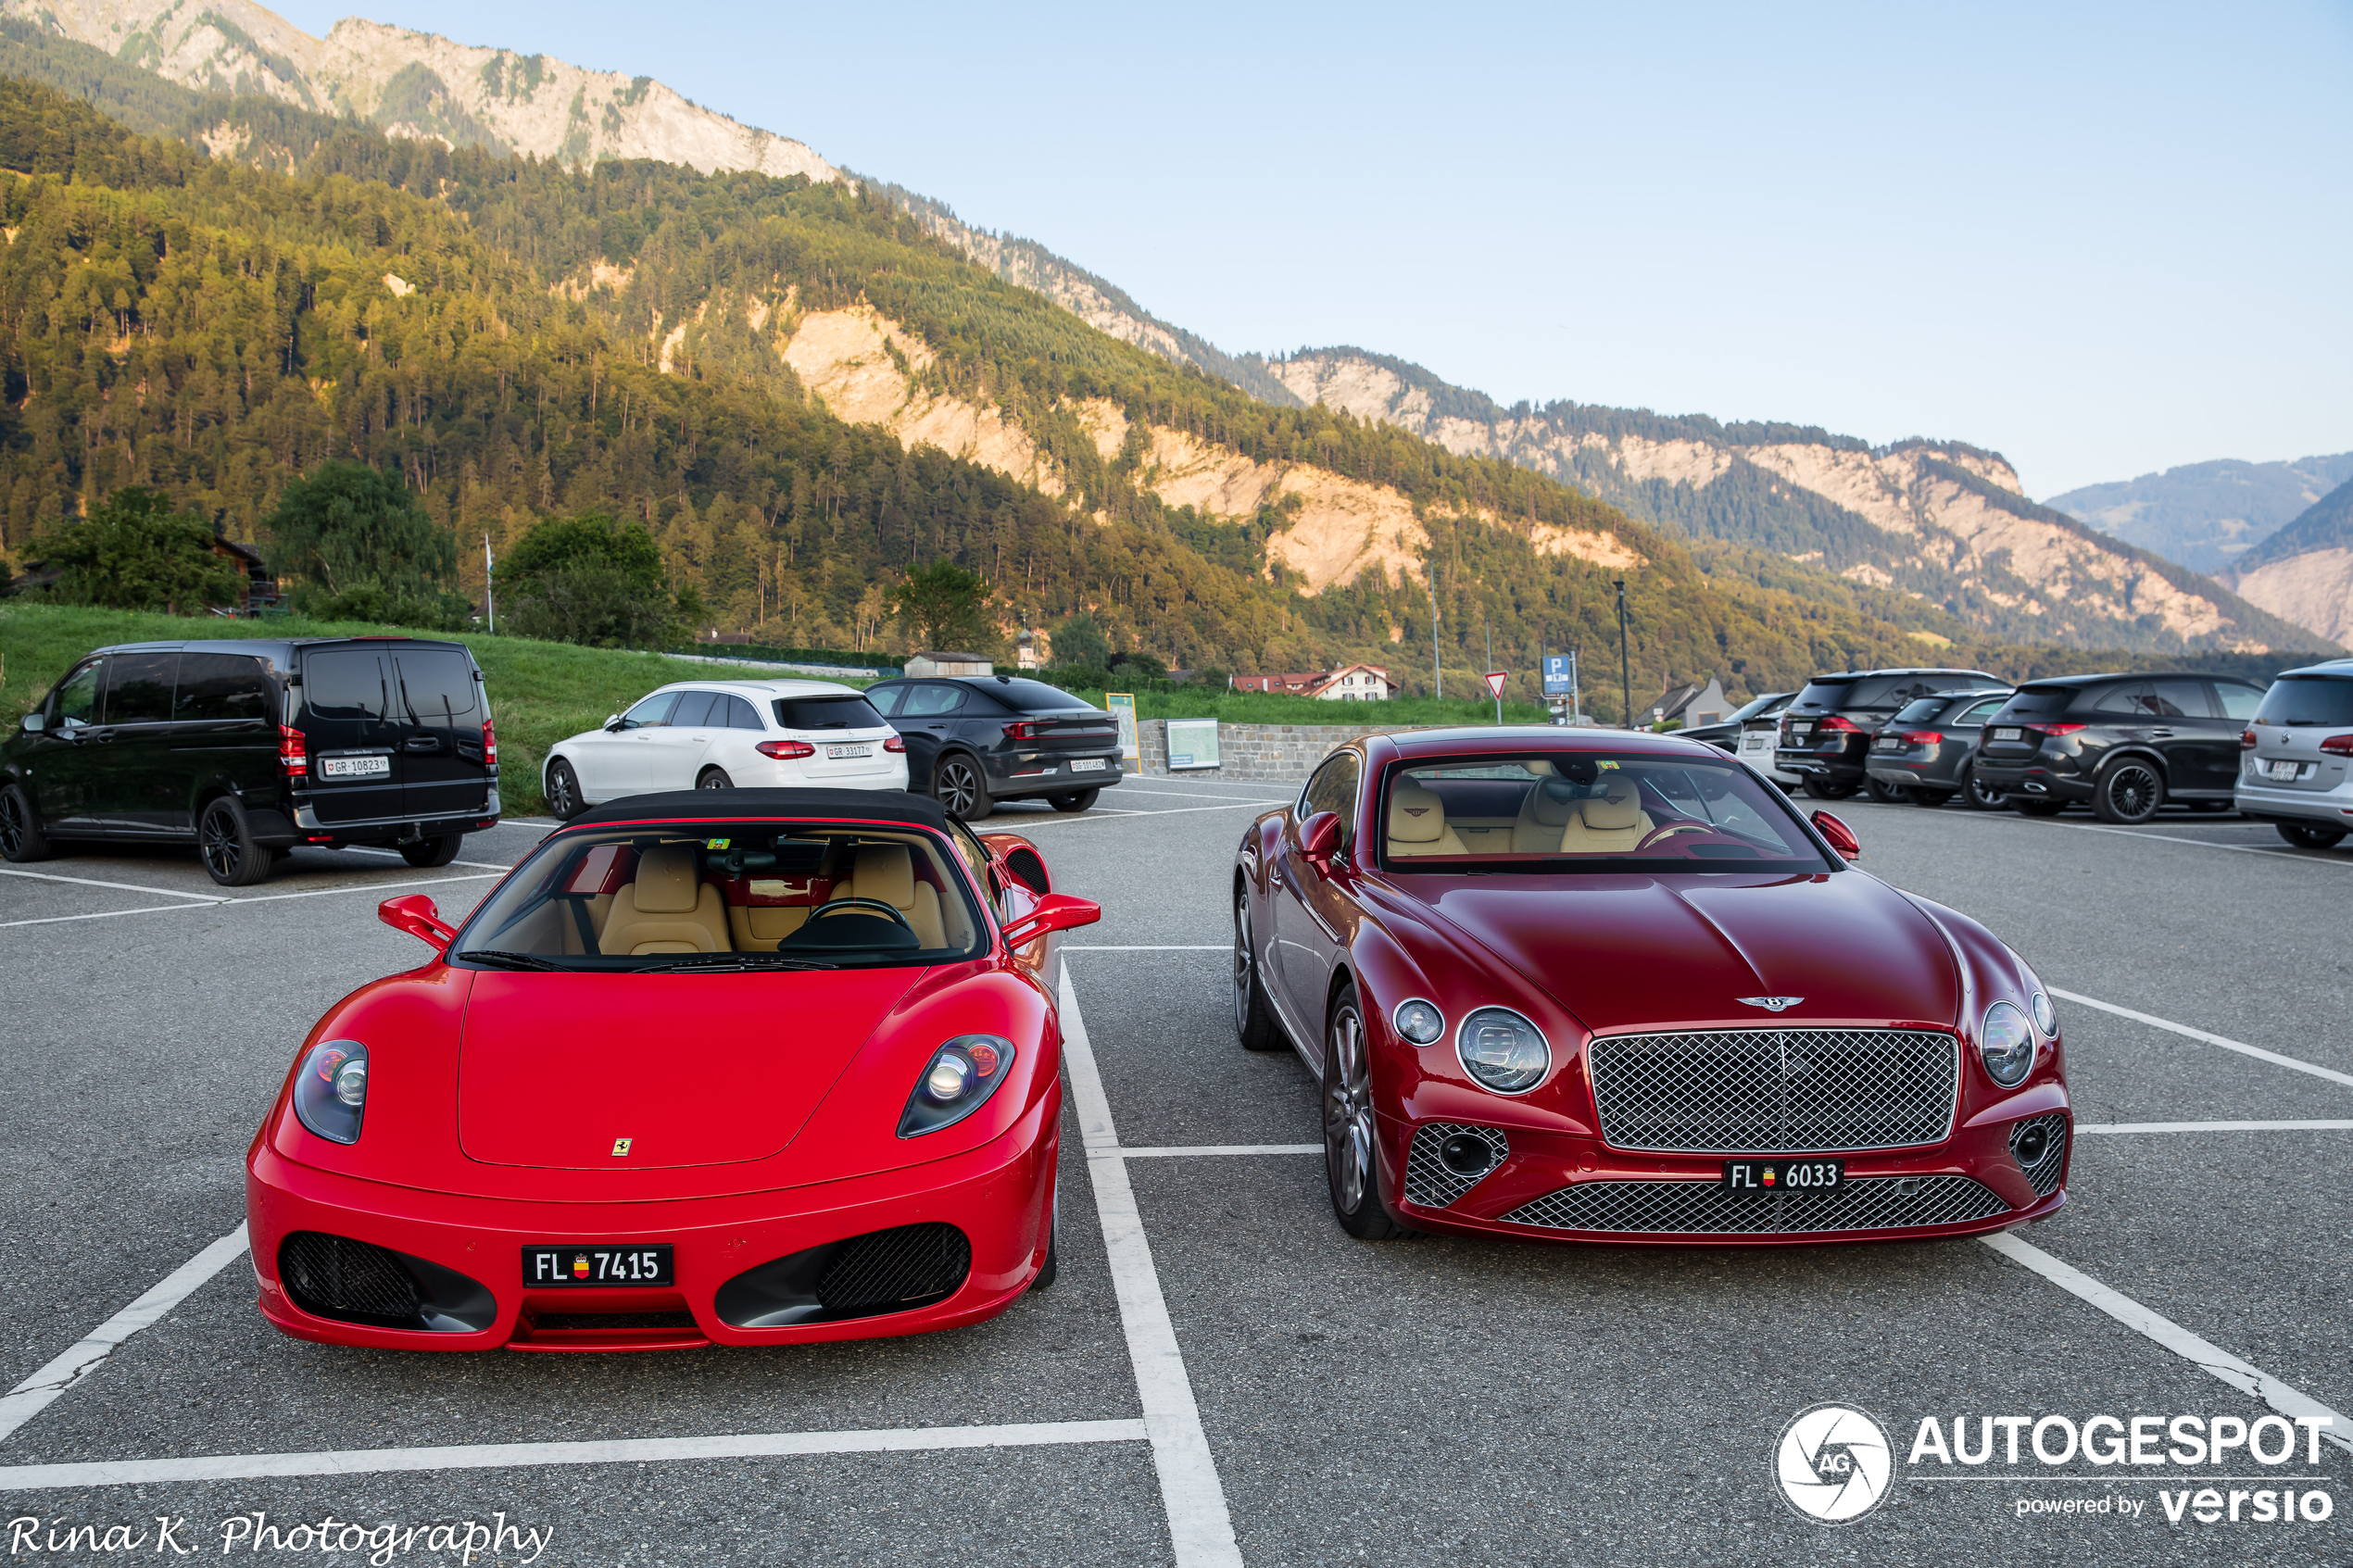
point(2006, 1044)
point(2045, 1016)
point(331, 1090)
point(1503, 1050)
point(956, 1082)
point(1419, 1021)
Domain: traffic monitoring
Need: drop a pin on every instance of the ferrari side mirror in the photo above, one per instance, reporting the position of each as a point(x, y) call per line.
point(1840, 837)
point(1055, 911)
point(415, 914)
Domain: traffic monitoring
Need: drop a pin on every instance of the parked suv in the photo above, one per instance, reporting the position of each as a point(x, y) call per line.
point(245, 748)
point(2298, 770)
point(1929, 749)
point(1826, 735)
point(974, 740)
point(2124, 745)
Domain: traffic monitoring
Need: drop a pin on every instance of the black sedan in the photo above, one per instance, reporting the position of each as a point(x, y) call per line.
point(1929, 749)
point(2124, 745)
point(974, 740)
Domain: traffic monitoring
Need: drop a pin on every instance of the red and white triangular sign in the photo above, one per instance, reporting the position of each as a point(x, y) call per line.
point(1495, 679)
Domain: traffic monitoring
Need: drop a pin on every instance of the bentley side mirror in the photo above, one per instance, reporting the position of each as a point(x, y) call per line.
point(1055, 911)
point(415, 914)
point(612, 722)
point(32, 723)
point(1841, 837)
point(1319, 839)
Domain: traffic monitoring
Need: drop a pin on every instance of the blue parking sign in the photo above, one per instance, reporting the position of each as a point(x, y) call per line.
point(1560, 673)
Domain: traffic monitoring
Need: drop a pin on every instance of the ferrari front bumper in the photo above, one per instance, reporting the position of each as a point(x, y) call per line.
point(999, 1198)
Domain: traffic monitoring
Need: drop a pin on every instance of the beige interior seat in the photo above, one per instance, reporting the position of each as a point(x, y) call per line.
point(667, 909)
point(763, 925)
point(1541, 818)
point(1612, 823)
point(1417, 824)
point(887, 872)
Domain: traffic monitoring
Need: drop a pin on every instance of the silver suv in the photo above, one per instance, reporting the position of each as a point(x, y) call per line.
point(2297, 767)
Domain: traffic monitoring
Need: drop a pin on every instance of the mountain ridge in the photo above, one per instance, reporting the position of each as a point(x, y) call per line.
point(2207, 515)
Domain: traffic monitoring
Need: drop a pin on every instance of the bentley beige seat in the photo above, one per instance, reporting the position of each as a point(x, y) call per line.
point(887, 872)
point(1541, 818)
point(667, 909)
point(1417, 824)
point(1612, 823)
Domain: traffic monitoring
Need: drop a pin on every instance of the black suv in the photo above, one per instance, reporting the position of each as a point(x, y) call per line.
point(974, 740)
point(1826, 734)
point(2123, 743)
point(1929, 749)
point(246, 748)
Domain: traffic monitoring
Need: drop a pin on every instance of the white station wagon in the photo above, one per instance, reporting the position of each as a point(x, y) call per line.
point(722, 734)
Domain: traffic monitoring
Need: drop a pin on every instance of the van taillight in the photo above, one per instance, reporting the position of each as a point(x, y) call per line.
point(489, 744)
point(294, 752)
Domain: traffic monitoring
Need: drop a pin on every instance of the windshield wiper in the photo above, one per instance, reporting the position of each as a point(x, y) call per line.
point(709, 961)
point(494, 959)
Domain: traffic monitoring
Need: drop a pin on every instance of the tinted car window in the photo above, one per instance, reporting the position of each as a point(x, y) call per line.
point(929, 701)
point(1976, 713)
point(344, 684)
point(438, 685)
point(2132, 698)
point(2307, 699)
point(886, 699)
point(742, 715)
point(694, 708)
point(2237, 702)
point(1823, 694)
point(1754, 707)
point(220, 685)
point(1334, 789)
point(826, 713)
point(2038, 702)
point(1035, 696)
point(139, 687)
point(1923, 710)
point(650, 714)
point(2181, 699)
point(78, 695)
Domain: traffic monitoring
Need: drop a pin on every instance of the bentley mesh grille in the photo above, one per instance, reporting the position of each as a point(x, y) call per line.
point(1702, 1208)
point(332, 1277)
point(1776, 1091)
point(893, 1270)
point(1429, 1182)
point(2044, 1173)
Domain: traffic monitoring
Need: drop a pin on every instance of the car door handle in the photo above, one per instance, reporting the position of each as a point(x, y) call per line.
point(421, 743)
point(2160, 735)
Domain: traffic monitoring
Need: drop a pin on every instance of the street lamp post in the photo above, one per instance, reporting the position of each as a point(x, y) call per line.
point(1624, 666)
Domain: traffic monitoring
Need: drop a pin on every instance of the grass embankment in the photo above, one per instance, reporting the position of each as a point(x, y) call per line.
point(1267, 708)
point(539, 692)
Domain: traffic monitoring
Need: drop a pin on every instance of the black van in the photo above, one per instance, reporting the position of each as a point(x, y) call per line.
point(246, 748)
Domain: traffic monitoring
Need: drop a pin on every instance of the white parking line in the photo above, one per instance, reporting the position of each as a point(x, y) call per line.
point(395, 854)
point(1187, 793)
point(1189, 1150)
point(1200, 1529)
point(496, 1456)
point(1156, 948)
point(259, 898)
point(117, 886)
point(30, 1398)
point(1105, 814)
point(2123, 1127)
point(2269, 852)
point(2206, 1355)
point(2331, 1073)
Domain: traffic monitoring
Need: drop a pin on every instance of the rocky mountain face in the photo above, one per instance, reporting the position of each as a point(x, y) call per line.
point(2207, 515)
point(1941, 522)
point(2304, 572)
point(418, 84)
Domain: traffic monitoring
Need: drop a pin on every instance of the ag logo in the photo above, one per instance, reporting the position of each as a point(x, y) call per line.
point(1833, 1465)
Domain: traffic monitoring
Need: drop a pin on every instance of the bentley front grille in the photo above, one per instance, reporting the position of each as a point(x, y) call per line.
point(1432, 1179)
point(2039, 1145)
point(1702, 1208)
point(1776, 1091)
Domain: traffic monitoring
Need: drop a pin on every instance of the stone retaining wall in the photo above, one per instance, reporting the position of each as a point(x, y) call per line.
point(1273, 753)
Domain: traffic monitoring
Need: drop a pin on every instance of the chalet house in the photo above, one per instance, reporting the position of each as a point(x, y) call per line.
point(1689, 706)
point(1354, 683)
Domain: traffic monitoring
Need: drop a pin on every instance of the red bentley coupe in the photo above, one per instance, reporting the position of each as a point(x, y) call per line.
point(1614, 987)
point(746, 1067)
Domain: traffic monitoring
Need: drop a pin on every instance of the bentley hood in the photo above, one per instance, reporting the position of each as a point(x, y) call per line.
point(1642, 952)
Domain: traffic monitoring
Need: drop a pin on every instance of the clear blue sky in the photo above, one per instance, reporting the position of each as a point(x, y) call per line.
point(2102, 238)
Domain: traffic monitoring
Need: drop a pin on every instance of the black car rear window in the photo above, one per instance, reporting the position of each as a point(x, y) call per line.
point(1035, 696)
point(344, 684)
point(438, 684)
point(1827, 695)
point(849, 713)
point(1920, 711)
point(2038, 702)
point(2307, 699)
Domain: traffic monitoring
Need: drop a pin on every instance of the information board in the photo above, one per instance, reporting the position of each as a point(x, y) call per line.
point(1192, 743)
point(1131, 750)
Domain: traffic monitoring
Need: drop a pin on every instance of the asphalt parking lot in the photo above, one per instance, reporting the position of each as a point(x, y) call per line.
point(1220, 1375)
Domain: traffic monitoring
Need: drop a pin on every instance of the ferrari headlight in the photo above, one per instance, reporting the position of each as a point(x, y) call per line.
point(2006, 1044)
point(331, 1090)
point(1419, 1022)
point(2045, 1016)
point(1503, 1050)
point(956, 1082)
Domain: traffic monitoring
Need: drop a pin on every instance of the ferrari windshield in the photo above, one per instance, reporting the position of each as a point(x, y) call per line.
point(1590, 811)
point(728, 896)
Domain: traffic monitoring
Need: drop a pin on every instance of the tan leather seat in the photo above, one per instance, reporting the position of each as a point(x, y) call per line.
point(1612, 823)
point(1417, 824)
point(887, 872)
point(1541, 818)
point(667, 909)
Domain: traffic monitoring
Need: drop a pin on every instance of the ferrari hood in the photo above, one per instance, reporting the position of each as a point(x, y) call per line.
point(1639, 953)
point(639, 1072)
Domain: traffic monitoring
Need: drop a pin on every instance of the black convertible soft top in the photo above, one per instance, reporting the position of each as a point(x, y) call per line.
point(794, 805)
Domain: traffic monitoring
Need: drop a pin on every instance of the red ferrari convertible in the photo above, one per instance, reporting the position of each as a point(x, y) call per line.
point(1614, 987)
point(748, 1067)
